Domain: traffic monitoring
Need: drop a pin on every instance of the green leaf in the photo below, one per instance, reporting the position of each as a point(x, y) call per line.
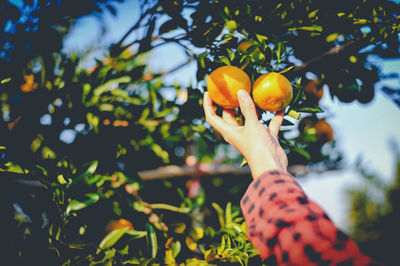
point(201, 59)
point(76, 205)
point(106, 87)
point(261, 38)
point(136, 234)
point(44, 171)
point(286, 70)
point(140, 207)
point(86, 89)
point(4, 81)
point(225, 60)
point(220, 213)
point(302, 152)
point(15, 168)
point(169, 207)
point(279, 51)
point(317, 28)
point(313, 13)
point(232, 25)
point(176, 248)
point(61, 180)
point(151, 240)
point(332, 37)
point(316, 109)
point(360, 21)
point(112, 238)
point(228, 214)
point(90, 171)
point(244, 162)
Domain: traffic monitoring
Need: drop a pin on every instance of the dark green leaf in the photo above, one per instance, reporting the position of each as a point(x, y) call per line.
point(151, 239)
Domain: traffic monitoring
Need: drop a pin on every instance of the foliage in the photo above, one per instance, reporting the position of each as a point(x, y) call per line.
point(73, 140)
point(375, 213)
point(334, 43)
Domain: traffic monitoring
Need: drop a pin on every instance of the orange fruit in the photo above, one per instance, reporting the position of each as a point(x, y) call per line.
point(29, 84)
point(313, 90)
point(116, 224)
point(224, 83)
point(244, 45)
point(272, 92)
point(324, 131)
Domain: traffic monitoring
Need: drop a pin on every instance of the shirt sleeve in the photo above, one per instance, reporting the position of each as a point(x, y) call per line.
point(287, 228)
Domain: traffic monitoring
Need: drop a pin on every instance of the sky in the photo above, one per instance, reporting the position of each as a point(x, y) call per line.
point(361, 130)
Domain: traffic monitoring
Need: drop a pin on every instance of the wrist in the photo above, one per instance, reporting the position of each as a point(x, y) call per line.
point(261, 166)
point(263, 163)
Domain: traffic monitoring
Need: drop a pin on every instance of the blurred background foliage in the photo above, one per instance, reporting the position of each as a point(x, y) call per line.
point(75, 139)
point(375, 212)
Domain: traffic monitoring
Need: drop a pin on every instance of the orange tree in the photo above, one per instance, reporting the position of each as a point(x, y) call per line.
point(337, 44)
point(73, 140)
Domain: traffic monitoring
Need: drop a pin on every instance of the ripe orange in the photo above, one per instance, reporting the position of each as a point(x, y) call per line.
point(29, 84)
point(116, 224)
point(324, 131)
point(272, 92)
point(224, 83)
point(244, 45)
point(313, 90)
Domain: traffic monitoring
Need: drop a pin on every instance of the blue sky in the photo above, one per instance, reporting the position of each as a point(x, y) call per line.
point(361, 129)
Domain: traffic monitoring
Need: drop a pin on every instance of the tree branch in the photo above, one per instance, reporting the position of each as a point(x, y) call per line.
point(351, 45)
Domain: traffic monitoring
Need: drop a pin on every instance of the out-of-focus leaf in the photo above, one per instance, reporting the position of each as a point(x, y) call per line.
point(169, 207)
point(220, 213)
point(228, 215)
point(302, 152)
point(90, 171)
point(4, 81)
point(106, 87)
point(244, 162)
point(151, 240)
point(332, 37)
point(316, 109)
point(176, 248)
point(112, 238)
point(76, 205)
point(317, 28)
point(136, 234)
point(286, 69)
point(140, 207)
point(232, 25)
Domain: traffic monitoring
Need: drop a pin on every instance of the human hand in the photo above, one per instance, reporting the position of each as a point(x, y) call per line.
point(258, 144)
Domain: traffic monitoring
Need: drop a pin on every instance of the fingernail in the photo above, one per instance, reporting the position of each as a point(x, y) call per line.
point(241, 93)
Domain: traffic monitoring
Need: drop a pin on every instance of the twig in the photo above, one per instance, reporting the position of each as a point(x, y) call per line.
point(352, 44)
point(134, 27)
point(181, 171)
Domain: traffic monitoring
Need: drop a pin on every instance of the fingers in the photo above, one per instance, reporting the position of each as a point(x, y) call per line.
point(247, 107)
point(214, 120)
point(276, 123)
point(229, 117)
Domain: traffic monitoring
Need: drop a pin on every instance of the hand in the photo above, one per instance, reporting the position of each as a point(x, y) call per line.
point(258, 144)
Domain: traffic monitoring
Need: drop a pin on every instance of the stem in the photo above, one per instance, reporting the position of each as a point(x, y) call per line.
point(168, 207)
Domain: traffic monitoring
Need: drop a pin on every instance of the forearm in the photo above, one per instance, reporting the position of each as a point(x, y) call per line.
point(287, 228)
